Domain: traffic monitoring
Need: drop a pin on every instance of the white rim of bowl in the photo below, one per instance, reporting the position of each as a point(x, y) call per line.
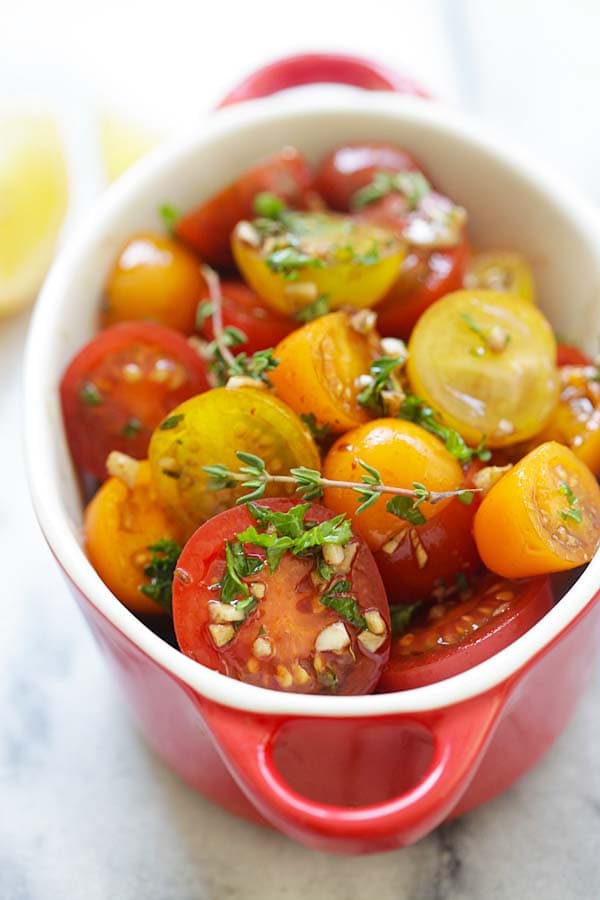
point(39, 435)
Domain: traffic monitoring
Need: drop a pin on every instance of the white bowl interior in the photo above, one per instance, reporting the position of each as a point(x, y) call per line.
point(512, 204)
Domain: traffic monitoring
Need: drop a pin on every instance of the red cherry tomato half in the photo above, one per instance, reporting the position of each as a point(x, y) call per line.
point(282, 642)
point(568, 355)
point(121, 385)
point(425, 556)
point(243, 309)
point(351, 167)
point(208, 227)
point(425, 275)
point(463, 631)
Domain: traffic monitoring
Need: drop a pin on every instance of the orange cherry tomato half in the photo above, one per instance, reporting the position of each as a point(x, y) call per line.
point(402, 453)
point(424, 557)
point(120, 524)
point(575, 421)
point(155, 279)
point(319, 365)
point(464, 630)
point(286, 639)
point(121, 385)
point(569, 355)
point(350, 167)
point(243, 309)
point(542, 516)
point(208, 227)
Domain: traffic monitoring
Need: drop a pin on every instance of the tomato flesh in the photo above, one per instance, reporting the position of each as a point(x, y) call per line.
point(458, 633)
point(121, 385)
point(243, 309)
point(275, 645)
point(208, 227)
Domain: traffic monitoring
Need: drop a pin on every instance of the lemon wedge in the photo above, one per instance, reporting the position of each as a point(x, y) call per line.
point(122, 143)
point(33, 203)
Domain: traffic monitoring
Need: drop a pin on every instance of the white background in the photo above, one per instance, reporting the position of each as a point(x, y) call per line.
point(85, 810)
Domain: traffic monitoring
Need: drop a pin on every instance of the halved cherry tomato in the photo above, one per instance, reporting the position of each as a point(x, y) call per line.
point(464, 630)
point(422, 558)
point(209, 429)
point(120, 524)
point(305, 256)
point(120, 385)
point(155, 279)
point(569, 355)
point(402, 453)
point(282, 641)
point(427, 273)
point(244, 310)
point(319, 365)
point(208, 227)
point(350, 167)
point(575, 421)
point(542, 516)
point(486, 361)
point(498, 270)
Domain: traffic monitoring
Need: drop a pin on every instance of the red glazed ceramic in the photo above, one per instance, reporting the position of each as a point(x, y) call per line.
point(343, 774)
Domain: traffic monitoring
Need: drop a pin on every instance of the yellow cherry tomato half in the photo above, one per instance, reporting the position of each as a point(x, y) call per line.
point(154, 279)
point(207, 430)
point(486, 361)
point(498, 270)
point(402, 453)
point(318, 371)
point(303, 256)
point(542, 516)
point(120, 524)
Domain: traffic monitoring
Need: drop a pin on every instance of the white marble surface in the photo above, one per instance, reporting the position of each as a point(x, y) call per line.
point(85, 810)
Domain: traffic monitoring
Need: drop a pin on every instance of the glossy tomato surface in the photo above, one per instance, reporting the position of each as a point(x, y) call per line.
point(569, 355)
point(121, 385)
point(244, 310)
point(464, 630)
point(208, 227)
point(351, 167)
point(275, 645)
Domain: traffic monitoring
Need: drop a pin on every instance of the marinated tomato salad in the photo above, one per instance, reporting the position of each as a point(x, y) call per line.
point(337, 445)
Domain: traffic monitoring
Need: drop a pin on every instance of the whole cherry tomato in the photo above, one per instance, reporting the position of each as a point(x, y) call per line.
point(208, 227)
point(244, 310)
point(155, 279)
point(281, 625)
point(121, 385)
point(464, 630)
point(353, 166)
point(569, 355)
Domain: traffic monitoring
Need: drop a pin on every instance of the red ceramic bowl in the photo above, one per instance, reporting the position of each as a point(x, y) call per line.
point(344, 774)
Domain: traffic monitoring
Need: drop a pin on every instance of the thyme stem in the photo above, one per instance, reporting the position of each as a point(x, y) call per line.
point(216, 298)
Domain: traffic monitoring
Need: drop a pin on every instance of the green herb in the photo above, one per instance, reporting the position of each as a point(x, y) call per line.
point(381, 372)
point(369, 257)
point(287, 261)
point(475, 328)
point(268, 205)
point(412, 185)
point(324, 571)
point(171, 422)
point(407, 509)
point(131, 428)
point(414, 409)
point(339, 598)
point(159, 571)
point(170, 216)
point(204, 311)
point(462, 582)
point(238, 566)
point(401, 617)
point(90, 394)
point(256, 366)
point(319, 432)
point(574, 512)
point(315, 310)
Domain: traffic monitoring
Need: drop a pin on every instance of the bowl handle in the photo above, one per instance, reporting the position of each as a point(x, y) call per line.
point(460, 736)
point(318, 68)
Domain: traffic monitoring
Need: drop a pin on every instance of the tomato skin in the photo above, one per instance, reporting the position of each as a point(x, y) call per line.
point(244, 309)
point(568, 355)
point(499, 270)
point(154, 279)
point(94, 429)
point(444, 652)
point(350, 167)
point(291, 626)
point(448, 541)
point(208, 227)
